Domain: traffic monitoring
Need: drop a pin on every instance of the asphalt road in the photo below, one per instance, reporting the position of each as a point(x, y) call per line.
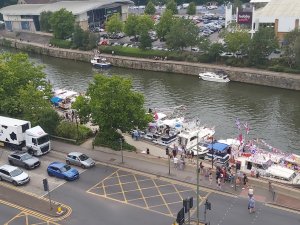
point(111, 195)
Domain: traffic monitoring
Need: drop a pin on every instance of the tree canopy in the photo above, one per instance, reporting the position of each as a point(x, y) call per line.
point(150, 8)
point(171, 5)
point(114, 24)
point(23, 87)
point(238, 40)
point(45, 21)
point(191, 10)
point(131, 25)
point(291, 47)
point(183, 34)
point(164, 25)
point(145, 24)
point(114, 105)
point(62, 23)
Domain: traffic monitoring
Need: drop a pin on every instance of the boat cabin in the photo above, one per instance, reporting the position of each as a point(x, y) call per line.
point(219, 152)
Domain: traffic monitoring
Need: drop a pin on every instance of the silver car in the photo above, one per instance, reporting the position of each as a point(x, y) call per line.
point(80, 159)
point(23, 159)
point(14, 175)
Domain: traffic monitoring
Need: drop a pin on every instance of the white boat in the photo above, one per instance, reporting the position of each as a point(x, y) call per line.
point(64, 98)
point(210, 76)
point(100, 62)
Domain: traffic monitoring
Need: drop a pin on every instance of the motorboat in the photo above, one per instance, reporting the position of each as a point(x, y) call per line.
point(210, 76)
point(64, 98)
point(100, 62)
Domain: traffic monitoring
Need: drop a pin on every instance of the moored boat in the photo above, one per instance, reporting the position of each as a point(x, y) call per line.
point(210, 76)
point(100, 62)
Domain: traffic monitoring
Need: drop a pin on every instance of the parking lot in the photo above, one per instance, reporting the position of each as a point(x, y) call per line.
point(38, 174)
point(146, 192)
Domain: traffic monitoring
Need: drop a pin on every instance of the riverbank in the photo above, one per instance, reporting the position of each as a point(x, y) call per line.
point(244, 75)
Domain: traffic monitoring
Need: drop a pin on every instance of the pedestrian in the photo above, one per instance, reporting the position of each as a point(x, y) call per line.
point(175, 162)
point(148, 151)
point(250, 192)
point(210, 178)
point(201, 168)
point(192, 156)
point(174, 152)
point(251, 205)
point(67, 116)
point(245, 180)
point(219, 183)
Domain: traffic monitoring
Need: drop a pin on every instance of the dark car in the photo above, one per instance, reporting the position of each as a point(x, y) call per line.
point(23, 159)
point(63, 171)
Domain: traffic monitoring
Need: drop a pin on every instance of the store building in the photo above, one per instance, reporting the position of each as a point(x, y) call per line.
point(26, 17)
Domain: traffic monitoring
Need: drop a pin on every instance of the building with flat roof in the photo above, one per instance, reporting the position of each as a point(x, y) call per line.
point(26, 17)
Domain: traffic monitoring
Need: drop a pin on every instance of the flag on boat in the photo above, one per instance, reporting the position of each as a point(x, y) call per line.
point(237, 123)
point(156, 116)
point(240, 138)
point(247, 127)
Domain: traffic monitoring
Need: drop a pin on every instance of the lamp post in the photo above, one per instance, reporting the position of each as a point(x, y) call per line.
point(198, 218)
point(121, 143)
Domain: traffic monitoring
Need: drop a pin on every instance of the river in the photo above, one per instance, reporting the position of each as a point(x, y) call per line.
point(273, 114)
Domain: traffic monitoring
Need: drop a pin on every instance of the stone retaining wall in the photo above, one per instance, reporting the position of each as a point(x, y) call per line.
point(245, 75)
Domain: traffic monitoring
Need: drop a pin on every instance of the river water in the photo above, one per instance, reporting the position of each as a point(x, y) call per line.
point(273, 114)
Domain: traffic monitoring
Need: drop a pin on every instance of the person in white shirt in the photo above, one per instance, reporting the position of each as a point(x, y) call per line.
point(175, 162)
point(250, 192)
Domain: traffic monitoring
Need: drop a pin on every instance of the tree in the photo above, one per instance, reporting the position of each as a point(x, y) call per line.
point(48, 119)
point(78, 36)
point(183, 34)
point(263, 43)
point(238, 40)
point(171, 5)
point(145, 24)
point(203, 43)
point(164, 25)
point(45, 21)
point(114, 105)
point(289, 47)
point(150, 8)
point(145, 41)
point(81, 105)
point(114, 24)
point(214, 51)
point(62, 23)
point(297, 51)
point(131, 25)
point(23, 87)
point(191, 10)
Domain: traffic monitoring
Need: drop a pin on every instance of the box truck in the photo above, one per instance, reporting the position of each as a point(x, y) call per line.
point(18, 135)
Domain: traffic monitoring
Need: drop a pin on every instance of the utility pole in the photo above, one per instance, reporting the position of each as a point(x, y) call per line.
point(121, 143)
point(213, 152)
point(198, 217)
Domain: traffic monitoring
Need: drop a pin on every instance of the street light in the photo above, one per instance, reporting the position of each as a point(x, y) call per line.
point(212, 148)
point(121, 142)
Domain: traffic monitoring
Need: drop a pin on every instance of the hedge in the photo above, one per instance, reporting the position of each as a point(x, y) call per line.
point(60, 43)
point(69, 130)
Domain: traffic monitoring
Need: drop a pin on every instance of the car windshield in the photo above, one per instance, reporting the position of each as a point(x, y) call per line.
point(43, 139)
point(65, 168)
point(25, 157)
point(16, 172)
point(83, 157)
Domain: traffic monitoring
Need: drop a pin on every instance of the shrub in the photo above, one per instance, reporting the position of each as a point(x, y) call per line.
point(111, 139)
point(69, 130)
point(60, 43)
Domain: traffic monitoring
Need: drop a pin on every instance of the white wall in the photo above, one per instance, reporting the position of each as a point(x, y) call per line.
point(286, 24)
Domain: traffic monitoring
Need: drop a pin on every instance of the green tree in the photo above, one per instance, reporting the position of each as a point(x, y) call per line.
point(62, 23)
point(238, 40)
point(171, 5)
point(203, 44)
point(289, 49)
point(23, 86)
point(164, 25)
point(45, 21)
point(297, 51)
point(48, 119)
point(214, 51)
point(114, 24)
point(183, 34)
point(150, 8)
point(191, 10)
point(130, 27)
point(78, 36)
point(81, 105)
point(145, 41)
point(263, 43)
point(114, 105)
point(145, 24)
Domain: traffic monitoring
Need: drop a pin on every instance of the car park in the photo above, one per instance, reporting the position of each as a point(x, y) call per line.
point(23, 159)
point(80, 159)
point(63, 171)
point(13, 175)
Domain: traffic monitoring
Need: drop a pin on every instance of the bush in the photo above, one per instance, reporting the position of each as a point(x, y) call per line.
point(111, 139)
point(281, 68)
point(60, 43)
point(69, 130)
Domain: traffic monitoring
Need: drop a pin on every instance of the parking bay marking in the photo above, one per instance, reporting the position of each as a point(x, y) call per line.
point(112, 188)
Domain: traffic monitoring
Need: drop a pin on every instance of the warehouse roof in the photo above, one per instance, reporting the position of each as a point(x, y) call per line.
point(280, 8)
point(76, 7)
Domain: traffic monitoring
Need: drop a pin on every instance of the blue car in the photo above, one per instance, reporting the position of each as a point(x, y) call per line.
point(63, 171)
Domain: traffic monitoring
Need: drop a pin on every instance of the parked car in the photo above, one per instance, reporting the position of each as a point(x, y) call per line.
point(14, 175)
point(23, 159)
point(80, 159)
point(227, 54)
point(63, 171)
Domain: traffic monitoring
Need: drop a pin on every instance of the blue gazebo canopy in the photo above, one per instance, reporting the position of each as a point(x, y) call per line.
point(55, 100)
point(221, 147)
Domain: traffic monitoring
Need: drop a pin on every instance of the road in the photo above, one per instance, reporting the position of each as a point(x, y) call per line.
point(111, 195)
